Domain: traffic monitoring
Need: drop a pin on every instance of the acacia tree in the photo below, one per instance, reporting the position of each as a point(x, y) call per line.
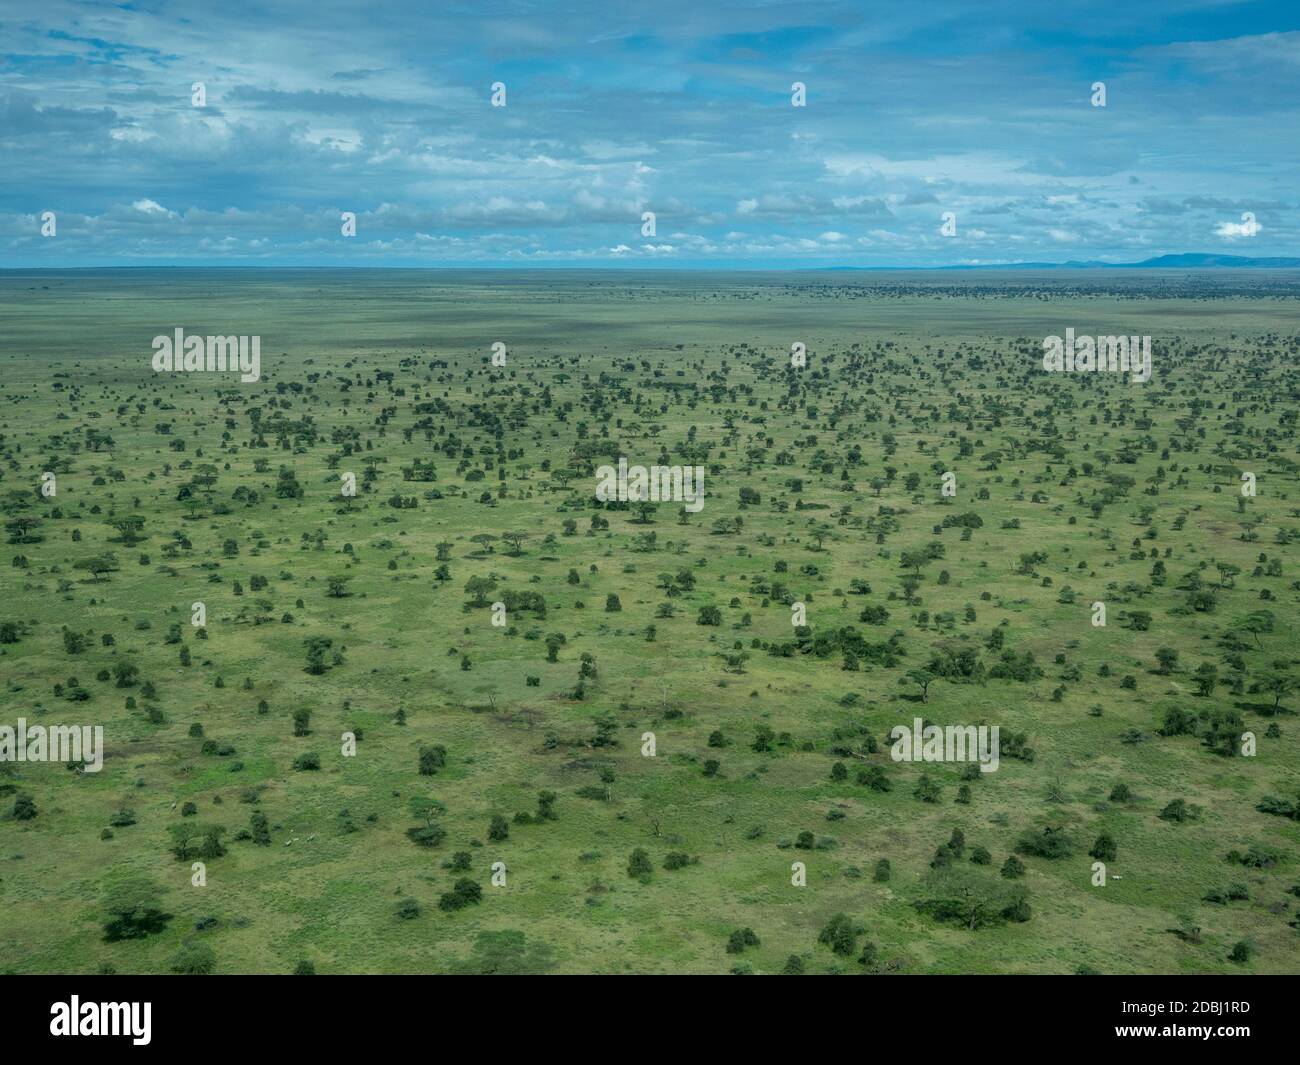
point(1255, 623)
point(973, 899)
point(1277, 682)
point(1207, 676)
point(128, 529)
point(133, 910)
point(914, 560)
point(191, 838)
point(23, 528)
point(431, 833)
point(515, 540)
point(97, 565)
point(922, 678)
point(1227, 574)
point(479, 587)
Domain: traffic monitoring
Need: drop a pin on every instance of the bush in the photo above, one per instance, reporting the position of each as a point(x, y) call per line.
point(874, 778)
point(464, 893)
point(638, 865)
point(840, 934)
point(432, 759)
point(426, 835)
point(194, 959)
point(1180, 811)
point(926, 789)
point(1104, 850)
point(259, 829)
point(1051, 843)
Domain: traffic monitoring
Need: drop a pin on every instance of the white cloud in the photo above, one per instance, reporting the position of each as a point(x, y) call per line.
point(1236, 230)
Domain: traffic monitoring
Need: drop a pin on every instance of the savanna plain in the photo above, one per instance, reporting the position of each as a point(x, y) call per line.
point(473, 719)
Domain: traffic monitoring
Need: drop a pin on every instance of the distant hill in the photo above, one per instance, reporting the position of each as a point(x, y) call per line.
point(1184, 261)
point(1193, 258)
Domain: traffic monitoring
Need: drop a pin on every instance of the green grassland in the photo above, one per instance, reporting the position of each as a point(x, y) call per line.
point(914, 374)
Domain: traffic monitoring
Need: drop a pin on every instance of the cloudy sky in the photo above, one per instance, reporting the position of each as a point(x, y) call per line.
point(615, 108)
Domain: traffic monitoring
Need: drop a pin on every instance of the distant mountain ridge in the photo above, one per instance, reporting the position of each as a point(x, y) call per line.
point(1183, 261)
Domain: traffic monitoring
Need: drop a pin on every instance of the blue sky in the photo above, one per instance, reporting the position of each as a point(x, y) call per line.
point(614, 109)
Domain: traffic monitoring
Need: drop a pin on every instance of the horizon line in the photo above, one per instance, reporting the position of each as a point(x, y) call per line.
point(1271, 262)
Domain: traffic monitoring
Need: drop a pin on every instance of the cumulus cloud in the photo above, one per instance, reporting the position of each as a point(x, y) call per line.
point(1248, 227)
point(385, 112)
